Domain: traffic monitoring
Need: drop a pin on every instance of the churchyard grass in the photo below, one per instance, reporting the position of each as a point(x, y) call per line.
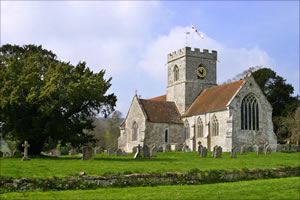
point(284, 188)
point(164, 162)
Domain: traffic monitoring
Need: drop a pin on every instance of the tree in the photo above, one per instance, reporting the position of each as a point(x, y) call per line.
point(42, 97)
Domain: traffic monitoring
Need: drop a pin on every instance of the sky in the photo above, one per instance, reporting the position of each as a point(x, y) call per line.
point(131, 40)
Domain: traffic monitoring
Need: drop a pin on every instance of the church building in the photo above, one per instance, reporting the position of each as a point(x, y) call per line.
point(196, 109)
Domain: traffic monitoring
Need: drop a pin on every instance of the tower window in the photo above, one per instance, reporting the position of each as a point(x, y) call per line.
point(186, 130)
point(214, 126)
point(176, 73)
point(249, 113)
point(199, 128)
point(134, 131)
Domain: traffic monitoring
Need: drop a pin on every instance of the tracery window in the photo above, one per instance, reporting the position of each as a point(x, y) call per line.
point(199, 128)
point(186, 130)
point(214, 126)
point(176, 73)
point(249, 113)
point(134, 131)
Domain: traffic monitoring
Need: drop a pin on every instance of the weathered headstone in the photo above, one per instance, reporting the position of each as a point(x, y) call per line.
point(266, 145)
point(268, 150)
point(26, 146)
point(87, 153)
point(138, 152)
point(146, 151)
point(166, 147)
point(233, 152)
point(243, 149)
point(214, 151)
point(219, 152)
point(178, 147)
point(73, 152)
point(119, 152)
point(260, 149)
point(294, 148)
point(16, 152)
point(249, 148)
point(255, 148)
point(56, 153)
point(186, 148)
point(183, 147)
point(200, 147)
point(204, 152)
point(134, 149)
point(124, 153)
point(160, 149)
point(153, 151)
point(1, 154)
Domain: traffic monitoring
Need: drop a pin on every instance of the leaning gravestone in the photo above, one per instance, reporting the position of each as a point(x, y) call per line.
point(200, 147)
point(218, 152)
point(87, 153)
point(233, 152)
point(243, 149)
point(178, 147)
point(138, 152)
point(260, 149)
point(26, 146)
point(110, 151)
point(204, 152)
point(153, 151)
point(146, 151)
point(119, 152)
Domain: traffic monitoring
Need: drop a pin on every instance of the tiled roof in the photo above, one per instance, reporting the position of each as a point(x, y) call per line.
point(161, 111)
point(214, 99)
point(160, 98)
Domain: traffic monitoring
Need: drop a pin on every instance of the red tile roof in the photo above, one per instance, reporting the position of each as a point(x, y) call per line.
point(214, 99)
point(160, 98)
point(161, 111)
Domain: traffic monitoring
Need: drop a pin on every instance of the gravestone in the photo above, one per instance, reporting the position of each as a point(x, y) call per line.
point(73, 152)
point(16, 152)
point(124, 153)
point(153, 151)
point(243, 149)
point(294, 148)
point(204, 152)
point(160, 149)
point(110, 151)
point(279, 148)
point(249, 148)
point(6, 154)
point(56, 153)
point(178, 147)
point(1, 154)
point(214, 151)
point(119, 152)
point(233, 152)
point(87, 153)
point(99, 150)
point(183, 147)
point(134, 149)
point(146, 151)
point(166, 147)
point(266, 145)
point(268, 150)
point(138, 152)
point(26, 146)
point(260, 149)
point(186, 148)
point(255, 148)
point(218, 152)
point(200, 147)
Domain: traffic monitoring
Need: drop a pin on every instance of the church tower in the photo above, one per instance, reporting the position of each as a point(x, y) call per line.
point(190, 72)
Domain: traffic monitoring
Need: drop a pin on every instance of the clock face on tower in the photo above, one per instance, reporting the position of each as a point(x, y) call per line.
point(201, 72)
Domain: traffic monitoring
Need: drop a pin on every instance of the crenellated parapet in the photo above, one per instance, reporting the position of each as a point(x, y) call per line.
point(188, 51)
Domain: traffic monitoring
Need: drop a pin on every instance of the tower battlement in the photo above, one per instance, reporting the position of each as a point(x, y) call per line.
point(187, 51)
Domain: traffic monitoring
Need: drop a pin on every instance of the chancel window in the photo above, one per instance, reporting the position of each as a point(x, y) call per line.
point(249, 113)
point(186, 129)
point(214, 126)
point(176, 73)
point(134, 131)
point(199, 128)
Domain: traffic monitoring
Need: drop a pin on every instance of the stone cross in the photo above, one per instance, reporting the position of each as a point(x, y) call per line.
point(25, 145)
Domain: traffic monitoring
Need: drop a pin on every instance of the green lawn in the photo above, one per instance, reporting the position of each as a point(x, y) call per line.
point(284, 188)
point(164, 162)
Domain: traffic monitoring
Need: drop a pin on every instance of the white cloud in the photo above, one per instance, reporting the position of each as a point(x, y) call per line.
point(231, 60)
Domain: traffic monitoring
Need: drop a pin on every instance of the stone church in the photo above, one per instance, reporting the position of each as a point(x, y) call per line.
point(196, 109)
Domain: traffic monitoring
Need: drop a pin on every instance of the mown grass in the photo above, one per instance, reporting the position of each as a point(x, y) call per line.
point(284, 188)
point(164, 162)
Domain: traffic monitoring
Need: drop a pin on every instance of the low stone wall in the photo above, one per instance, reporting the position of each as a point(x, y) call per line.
point(192, 177)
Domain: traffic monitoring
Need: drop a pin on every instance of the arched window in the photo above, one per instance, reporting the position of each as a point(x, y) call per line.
point(186, 130)
point(199, 128)
point(166, 136)
point(176, 73)
point(249, 113)
point(214, 126)
point(134, 131)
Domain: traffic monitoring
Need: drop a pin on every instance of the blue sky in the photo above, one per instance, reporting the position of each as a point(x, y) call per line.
point(131, 40)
